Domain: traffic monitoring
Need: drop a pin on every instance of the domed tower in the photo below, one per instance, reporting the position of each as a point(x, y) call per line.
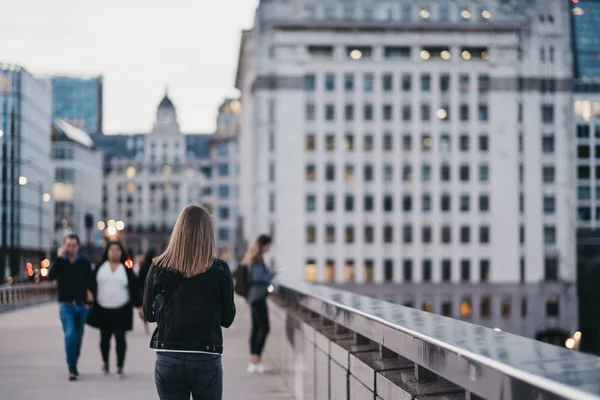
point(165, 144)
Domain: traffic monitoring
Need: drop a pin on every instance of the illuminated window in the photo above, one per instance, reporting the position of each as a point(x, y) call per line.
point(466, 310)
point(349, 271)
point(427, 306)
point(310, 143)
point(130, 187)
point(369, 271)
point(505, 308)
point(349, 142)
point(330, 143)
point(310, 271)
point(330, 271)
point(130, 172)
point(349, 173)
point(310, 172)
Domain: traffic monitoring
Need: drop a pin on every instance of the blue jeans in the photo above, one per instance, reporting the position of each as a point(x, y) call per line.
point(73, 319)
point(177, 375)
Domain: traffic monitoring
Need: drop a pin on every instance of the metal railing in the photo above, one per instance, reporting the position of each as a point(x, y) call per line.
point(360, 346)
point(22, 295)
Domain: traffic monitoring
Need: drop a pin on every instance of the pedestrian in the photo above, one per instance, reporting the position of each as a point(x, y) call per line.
point(143, 274)
point(189, 293)
point(259, 279)
point(75, 287)
point(117, 293)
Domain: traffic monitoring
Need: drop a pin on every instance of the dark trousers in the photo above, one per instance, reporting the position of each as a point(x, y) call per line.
point(260, 326)
point(105, 336)
point(177, 375)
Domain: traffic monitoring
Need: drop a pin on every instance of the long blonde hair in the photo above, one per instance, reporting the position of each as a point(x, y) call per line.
point(191, 250)
point(254, 255)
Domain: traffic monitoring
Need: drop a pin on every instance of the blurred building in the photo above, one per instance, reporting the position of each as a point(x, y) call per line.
point(415, 153)
point(79, 101)
point(150, 178)
point(26, 176)
point(586, 54)
point(77, 183)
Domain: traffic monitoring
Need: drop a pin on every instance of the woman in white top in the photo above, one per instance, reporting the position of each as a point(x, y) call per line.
point(116, 293)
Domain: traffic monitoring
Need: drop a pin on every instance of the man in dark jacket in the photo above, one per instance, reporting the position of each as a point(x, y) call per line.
point(75, 284)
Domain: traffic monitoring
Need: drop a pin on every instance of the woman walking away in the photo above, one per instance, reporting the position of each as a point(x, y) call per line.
point(189, 293)
point(117, 292)
point(142, 275)
point(259, 279)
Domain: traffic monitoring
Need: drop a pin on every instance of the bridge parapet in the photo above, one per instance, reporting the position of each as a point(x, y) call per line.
point(21, 295)
point(339, 345)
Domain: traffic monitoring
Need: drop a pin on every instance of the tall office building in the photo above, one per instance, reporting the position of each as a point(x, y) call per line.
point(416, 152)
point(26, 176)
point(77, 189)
point(79, 101)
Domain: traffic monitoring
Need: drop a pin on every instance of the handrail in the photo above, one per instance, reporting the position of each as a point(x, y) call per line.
point(20, 295)
point(483, 361)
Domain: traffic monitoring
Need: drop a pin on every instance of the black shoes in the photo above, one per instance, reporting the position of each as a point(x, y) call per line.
point(73, 373)
point(105, 369)
point(120, 373)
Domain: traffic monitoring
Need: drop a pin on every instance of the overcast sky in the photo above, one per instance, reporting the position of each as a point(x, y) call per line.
point(140, 46)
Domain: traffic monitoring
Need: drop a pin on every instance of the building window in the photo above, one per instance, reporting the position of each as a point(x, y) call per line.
point(549, 204)
point(369, 271)
point(484, 173)
point(310, 271)
point(547, 113)
point(463, 82)
point(425, 112)
point(548, 174)
point(484, 271)
point(387, 82)
point(349, 234)
point(387, 112)
point(311, 203)
point(349, 271)
point(549, 235)
point(368, 142)
point(223, 234)
point(330, 172)
point(407, 203)
point(406, 142)
point(484, 144)
point(349, 142)
point(330, 234)
point(426, 203)
point(369, 206)
point(484, 234)
point(465, 234)
point(368, 82)
point(329, 82)
point(425, 82)
point(445, 173)
point(407, 270)
point(407, 173)
point(484, 203)
point(309, 82)
point(349, 112)
point(445, 203)
point(329, 271)
point(388, 234)
point(446, 235)
point(551, 269)
point(407, 236)
point(483, 112)
point(485, 307)
point(388, 270)
point(553, 306)
point(444, 82)
point(311, 234)
point(505, 308)
point(349, 82)
point(311, 172)
point(406, 112)
point(224, 212)
point(427, 272)
point(465, 201)
point(309, 112)
point(368, 112)
point(406, 82)
point(329, 112)
point(223, 191)
point(388, 203)
point(464, 142)
point(368, 234)
point(464, 173)
point(548, 144)
point(445, 144)
point(330, 143)
point(466, 310)
point(310, 143)
point(464, 112)
point(388, 173)
point(446, 271)
point(426, 173)
point(426, 234)
point(330, 203)
point(349, 203)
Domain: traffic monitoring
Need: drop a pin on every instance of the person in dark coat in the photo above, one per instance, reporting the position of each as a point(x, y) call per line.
point(117, 292)
point(142, 275)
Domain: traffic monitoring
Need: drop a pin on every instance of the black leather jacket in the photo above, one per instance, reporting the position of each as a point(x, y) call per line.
point(196, 310)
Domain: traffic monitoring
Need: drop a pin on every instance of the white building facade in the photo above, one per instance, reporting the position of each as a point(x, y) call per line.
point(164, 171)
point(26, 176)
point(424, 158)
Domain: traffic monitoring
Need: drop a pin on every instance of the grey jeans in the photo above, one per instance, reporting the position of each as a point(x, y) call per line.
point(177, 375)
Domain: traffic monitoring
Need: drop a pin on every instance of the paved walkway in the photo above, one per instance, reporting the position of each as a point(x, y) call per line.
point(32, 362)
